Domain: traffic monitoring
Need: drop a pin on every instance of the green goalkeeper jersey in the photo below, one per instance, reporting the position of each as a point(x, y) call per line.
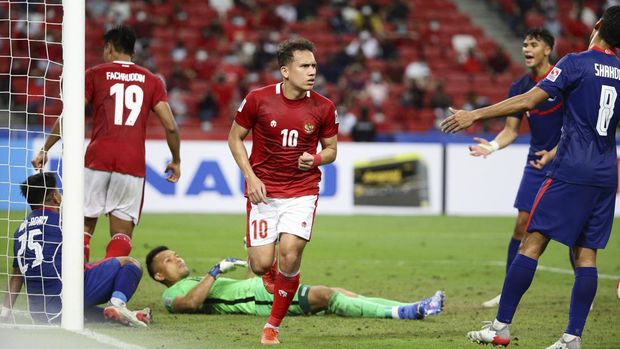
point(230, 296)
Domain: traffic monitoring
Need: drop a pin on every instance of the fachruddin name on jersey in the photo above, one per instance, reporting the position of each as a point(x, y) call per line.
point(606, 71)
point(125, 77)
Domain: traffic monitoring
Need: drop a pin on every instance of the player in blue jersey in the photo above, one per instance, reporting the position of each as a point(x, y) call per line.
point(545, 123)
point(37, 264)
point(575, 204)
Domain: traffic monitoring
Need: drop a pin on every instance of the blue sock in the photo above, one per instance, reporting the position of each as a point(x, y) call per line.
point(513, 249)
point(126, 281)
point(584, 289)
point(518, 280)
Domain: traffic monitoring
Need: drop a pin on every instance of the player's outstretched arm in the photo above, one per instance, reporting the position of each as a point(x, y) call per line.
point(15, 285)
point(255, 187)
point(485, 148)
point(196, 296)
point(327, 155)
point(41, 159)
point(164, 113)
point(461, 119)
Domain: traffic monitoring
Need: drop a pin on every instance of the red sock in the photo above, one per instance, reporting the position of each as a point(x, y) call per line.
point(119, 246)
point(282, 297)
point(87, 237)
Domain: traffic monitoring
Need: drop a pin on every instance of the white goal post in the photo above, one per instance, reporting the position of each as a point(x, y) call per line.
point(73, 45)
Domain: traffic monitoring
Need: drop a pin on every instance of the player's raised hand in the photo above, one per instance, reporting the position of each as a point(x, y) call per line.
point(484, 148)
point(40, 160)
point(305, 161)
point(256, 190)
point(227, 265)
point(458, 121)
point(175, 171)
point(545, 157)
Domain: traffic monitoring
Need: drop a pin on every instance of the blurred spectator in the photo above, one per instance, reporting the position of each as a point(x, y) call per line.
point(413, 96)
point(207, 110)
point(307, 9)
point(499, 61)
point(365, 43)
point(287, 12)
point(377, 89)
point(440, 102)
point(364, 129)
point(473, 63)
point(462, 44)
point(369, 21)
point(178, 105)
point(120, 12)
point(179, 52)
point(347, 121)
point(473, 101)
point(417, 72)
point(221, 6)
point(96, 8)
point(397, 14)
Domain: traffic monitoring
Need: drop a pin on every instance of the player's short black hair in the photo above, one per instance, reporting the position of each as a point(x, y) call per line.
point(38, 188)
point(286, 49)
point(149, 259)
point(610, 26)
point(122, 38)
point(541, 34)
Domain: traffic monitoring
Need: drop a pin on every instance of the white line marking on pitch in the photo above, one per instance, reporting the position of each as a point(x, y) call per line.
point(558, 270)
point(102, 338)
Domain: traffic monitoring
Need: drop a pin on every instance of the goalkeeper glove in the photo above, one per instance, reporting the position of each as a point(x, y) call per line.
point(226, 265)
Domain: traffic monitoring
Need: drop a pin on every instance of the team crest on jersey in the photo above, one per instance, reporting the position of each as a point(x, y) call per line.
point(304, 224)
point(273, 123)
point(308, 128)
point(553, 74)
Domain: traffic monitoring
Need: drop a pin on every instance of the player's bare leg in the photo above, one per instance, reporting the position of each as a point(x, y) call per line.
point(287, 281)
point(120, 233)
point(257, 259)
point(89, 229)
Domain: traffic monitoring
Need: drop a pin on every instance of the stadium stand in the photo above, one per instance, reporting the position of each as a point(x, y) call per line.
point(227, 48)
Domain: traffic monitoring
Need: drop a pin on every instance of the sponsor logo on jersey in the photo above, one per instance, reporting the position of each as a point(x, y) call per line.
point(553, 74)
point(282, 293)
point(308, 128)
point(273, 123)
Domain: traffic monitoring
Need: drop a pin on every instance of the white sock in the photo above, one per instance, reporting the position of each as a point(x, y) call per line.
point(568, 337)
point(498, 325)
point(117, 302)
point(395, 313)
point(268, 325)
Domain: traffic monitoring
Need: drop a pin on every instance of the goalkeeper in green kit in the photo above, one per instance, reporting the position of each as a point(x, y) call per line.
point(214, 295)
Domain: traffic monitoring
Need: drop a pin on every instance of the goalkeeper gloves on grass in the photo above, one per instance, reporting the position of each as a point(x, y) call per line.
point(226, 265)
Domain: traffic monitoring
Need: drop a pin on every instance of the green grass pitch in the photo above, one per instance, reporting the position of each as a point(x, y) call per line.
point(404, 258)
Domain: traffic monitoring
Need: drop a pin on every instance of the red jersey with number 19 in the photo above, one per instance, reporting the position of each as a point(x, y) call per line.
point(282, 130)
point(122, 95)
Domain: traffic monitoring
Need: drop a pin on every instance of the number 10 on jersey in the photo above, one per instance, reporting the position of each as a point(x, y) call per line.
point(130, 98)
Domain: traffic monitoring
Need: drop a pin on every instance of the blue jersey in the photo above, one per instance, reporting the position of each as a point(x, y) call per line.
point(38, 254)
point(545, 120)
point(589, 82)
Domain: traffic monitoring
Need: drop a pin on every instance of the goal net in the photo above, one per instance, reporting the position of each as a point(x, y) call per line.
point(33, 70)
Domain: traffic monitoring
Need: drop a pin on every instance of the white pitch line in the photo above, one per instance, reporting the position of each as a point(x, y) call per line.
point(559, 270)
point(102, 338)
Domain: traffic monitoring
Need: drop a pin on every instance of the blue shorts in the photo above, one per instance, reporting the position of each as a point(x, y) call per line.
point(573, 214)
point(99, 281)
point(530, 183)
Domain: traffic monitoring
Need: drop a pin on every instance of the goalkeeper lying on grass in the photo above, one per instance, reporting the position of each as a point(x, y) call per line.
point(213, 295)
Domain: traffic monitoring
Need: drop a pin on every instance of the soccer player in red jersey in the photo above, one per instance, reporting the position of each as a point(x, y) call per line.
point(287, 121)
point(122, 95)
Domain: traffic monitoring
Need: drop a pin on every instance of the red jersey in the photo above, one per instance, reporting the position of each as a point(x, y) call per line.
point(122, 95)
point(282, 130)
